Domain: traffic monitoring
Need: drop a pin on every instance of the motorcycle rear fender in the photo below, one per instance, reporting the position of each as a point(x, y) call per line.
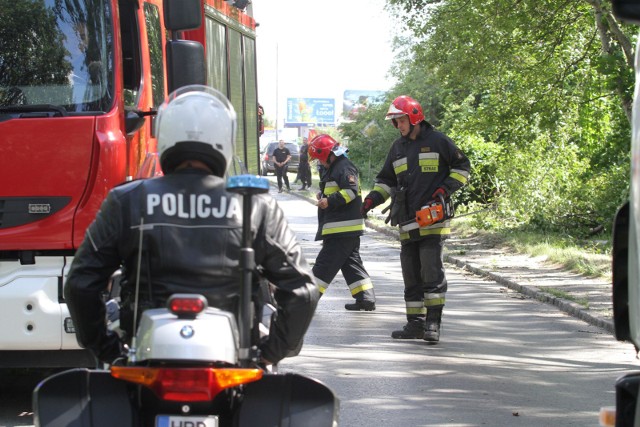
point(213, 338)
point(288, 399)
point(82, 398)
point(90, 398)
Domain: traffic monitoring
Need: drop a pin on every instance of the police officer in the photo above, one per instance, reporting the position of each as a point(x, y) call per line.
point(422, 165)
point(340, 224)
point(192, 235)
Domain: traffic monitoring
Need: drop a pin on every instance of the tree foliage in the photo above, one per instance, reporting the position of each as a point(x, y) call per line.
point(536, 93)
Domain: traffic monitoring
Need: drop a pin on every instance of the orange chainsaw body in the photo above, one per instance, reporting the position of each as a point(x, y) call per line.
point(430, 214)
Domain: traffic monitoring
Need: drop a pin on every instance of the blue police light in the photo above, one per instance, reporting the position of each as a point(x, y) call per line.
point(254, 184)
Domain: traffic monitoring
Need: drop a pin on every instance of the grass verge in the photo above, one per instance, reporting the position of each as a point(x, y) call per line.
point(589, 257)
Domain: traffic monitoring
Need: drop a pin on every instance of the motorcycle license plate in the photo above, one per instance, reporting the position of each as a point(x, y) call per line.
point(180, 421)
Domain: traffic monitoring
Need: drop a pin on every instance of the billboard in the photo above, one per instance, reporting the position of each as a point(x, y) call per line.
point(310, 112)
point(356, 101)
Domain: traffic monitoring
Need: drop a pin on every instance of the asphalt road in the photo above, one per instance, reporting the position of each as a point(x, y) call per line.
point(16, 386)
point(503, 359)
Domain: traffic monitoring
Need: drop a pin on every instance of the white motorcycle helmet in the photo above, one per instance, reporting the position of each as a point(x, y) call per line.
point(196, 122)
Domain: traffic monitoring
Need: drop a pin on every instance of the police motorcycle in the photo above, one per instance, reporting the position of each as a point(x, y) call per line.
point(191, 365)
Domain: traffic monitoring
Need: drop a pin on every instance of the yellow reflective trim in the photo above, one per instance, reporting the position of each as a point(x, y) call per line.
point(346, 195)
point(358, 283)
point(461, 172)
point(428, 162)
point(458, 177)
point(433, 301)
point(322, 285)
point(416, 310)
point(331, 187)
point(399, 162)
point(345, 229)
point(361, 288)
point(384, 190)
point(343, 226)
point(400, 169)
point(428, 232)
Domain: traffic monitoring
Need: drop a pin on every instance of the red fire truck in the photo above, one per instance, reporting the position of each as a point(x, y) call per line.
point(80, 82)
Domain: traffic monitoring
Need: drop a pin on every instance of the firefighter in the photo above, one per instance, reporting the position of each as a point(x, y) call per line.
point(340, 224)
point(422, 165)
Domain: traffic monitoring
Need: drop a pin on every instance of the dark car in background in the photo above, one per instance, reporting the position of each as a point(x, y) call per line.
point(267, 157)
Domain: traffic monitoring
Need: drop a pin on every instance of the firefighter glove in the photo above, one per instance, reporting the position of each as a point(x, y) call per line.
point(367, 205)
point(439, 192)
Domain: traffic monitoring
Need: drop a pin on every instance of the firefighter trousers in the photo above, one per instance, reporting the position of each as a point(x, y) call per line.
point(343, 254)
point(425, 282)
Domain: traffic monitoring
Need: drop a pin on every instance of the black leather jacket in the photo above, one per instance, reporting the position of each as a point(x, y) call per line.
point(192, 235)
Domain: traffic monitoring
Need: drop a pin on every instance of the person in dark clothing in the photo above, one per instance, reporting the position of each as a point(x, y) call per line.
point(304, 169)
point(281, 159)
point(340, 224)
point(421, 166)
point(185, 215)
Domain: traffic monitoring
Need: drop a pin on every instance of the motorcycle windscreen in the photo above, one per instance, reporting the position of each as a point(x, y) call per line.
point(82, 397)
point(290, 398)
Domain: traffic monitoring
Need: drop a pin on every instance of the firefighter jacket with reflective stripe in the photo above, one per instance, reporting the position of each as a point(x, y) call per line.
point(340, 185)
point(419, 167)
point(191, 243)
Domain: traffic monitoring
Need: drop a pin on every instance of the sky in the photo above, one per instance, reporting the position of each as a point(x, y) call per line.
point(319, 49)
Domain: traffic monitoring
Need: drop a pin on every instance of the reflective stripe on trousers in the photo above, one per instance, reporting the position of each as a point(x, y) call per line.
point(343, 254)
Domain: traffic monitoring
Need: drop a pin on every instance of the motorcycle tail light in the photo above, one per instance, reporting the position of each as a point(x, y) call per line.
point(186, 304)
point(186, 384)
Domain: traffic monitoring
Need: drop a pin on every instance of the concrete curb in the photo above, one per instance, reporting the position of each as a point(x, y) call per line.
point(566, 306)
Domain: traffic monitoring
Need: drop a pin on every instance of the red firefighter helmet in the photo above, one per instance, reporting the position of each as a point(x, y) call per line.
point(321, 146)
point(405, 106)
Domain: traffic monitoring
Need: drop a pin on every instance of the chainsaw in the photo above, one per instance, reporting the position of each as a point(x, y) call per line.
point(435, 211)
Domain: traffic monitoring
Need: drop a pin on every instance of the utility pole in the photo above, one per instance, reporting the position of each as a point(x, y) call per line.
point(277, 97)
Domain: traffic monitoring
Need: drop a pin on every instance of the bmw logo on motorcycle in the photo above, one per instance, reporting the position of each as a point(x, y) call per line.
point(186, 332)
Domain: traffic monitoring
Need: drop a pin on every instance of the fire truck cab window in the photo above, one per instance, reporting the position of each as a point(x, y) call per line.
point(60, 56)
point(132, 72)
point(154, 36)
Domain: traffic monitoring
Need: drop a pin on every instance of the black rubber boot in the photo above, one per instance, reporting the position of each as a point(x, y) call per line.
point(361, 305)
point(432, 329)
point(414, 329)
